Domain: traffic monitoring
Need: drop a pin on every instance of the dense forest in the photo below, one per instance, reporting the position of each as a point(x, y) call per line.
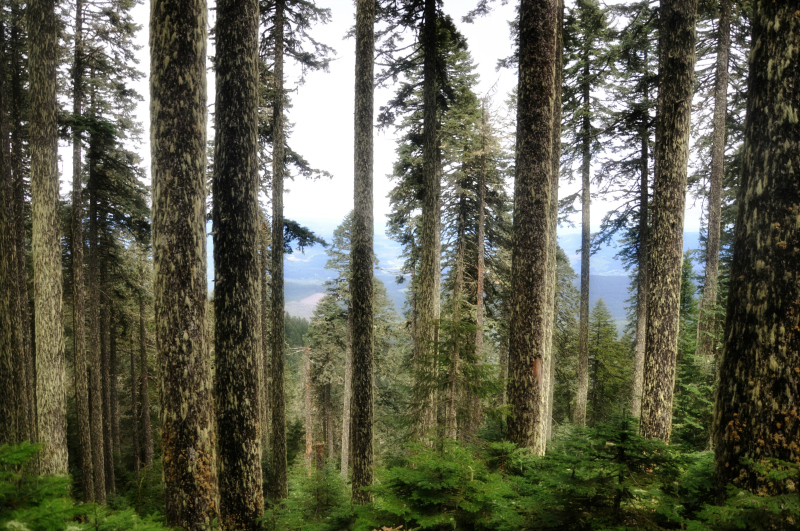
point(145, 387)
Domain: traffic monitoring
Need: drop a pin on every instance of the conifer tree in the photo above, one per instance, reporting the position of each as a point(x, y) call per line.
point(676, 75)
point(50, 378)
point(532, 190)
point(755, 419)
point(237, 332)
point(178, 118)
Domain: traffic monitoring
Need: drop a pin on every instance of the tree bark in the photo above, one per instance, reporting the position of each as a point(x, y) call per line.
point(265, 337)
point(144, 393)
point(51, 401)
point(361, 281)
point(553, 249)
point(237, 309)
point(586, 246)
point(532, 191)
point(756, 414)
point(642, 291)
point(105, 364)
point(706, 341)
point(178, 147)
point(676, 78)
point(280, 474)
point(427, 295)
point(308, 410)
point(78, 308)
point(135, 440)
point(114, 381)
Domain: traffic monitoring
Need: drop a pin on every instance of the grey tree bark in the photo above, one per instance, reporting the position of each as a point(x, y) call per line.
point(178, 153)
point(237, 334)
point(706, 324)
point(51, 403)
point(361, 282)
point(676, 77)
point(756, 417)
point(532, 191)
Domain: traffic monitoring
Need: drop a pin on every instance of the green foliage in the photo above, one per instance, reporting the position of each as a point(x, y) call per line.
point(444, 488)
point(610, 365)
point(296, 329)
point(318, 501)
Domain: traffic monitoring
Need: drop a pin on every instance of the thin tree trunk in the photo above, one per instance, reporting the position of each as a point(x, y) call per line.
point(642, 291)
point(144, 393)
point(553, 249)
point(586, 251)
point(308, 410)
point(51, 401)
point(78, 309)
point(348, 394)
point(707, 319)
point(361, 283)
point(532, 191)
point(676, 77)
point(96, 383)
point(265, 337)
point(280, 474)
point(451, 417)
point(178, 147)
point(137, 455)
point(330, 446)
point(756, 417)
point(105, 354)
point(114, 376)
point(427, 295)
point(237, 335)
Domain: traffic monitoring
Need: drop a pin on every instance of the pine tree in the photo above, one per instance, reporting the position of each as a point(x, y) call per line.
point(361, 285)
point(756, 418)
point(610, 368)
point(532, 190)
point(50, 391)
point(178, 115)
point(676, 74)
point(237, 332)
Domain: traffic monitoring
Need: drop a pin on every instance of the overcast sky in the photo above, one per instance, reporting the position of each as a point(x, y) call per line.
point(322, 114)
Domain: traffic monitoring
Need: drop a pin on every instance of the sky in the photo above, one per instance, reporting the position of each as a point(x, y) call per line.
point(322, 114)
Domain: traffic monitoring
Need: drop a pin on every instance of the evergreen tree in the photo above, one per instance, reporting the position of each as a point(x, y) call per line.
point(609, 366)
point(178, 115)
point(756, 418)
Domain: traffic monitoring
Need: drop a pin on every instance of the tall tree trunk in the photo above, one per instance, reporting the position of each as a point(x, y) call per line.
point(237, 335)
point(137, 453)
point(144, 393)
point(25, 370)
point(361, 287)
point(96, 373)
point(676, 78)
point(78, 311)
point(308, 410)
point(553, 249)
point(105, 371)
point(348, 393)
point(451, 406)
point(280, 474)
point(427, 295)
point(178, 152)
point(642, 291)
point(51, 395)
point(265, 336)
point(706, 323)
point(532, 191)
point(756, 416)
point(114, 380)
point(586, 251)
point(9, 398)
point(330, 445)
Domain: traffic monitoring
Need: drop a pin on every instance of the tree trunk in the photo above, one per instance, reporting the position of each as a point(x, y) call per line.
point(78, 311)
point(427, 295)
point(532, 191)
point(451, 406)
point(147, 430)
point(586, 250)
point(51, 395)
point(756, 414)
point(330, 445)
point(553, 249)
point(137, 454)
point(308, 410)
point(706, 341)
point(237, 335)
point(348, 394)
point(105, 364)
point(676, 78)
point(178, 151)
point(95, 368)
point(114, 377)
point(265, 337)
point(642, 291)
point(280, 474)
point(361, 286)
